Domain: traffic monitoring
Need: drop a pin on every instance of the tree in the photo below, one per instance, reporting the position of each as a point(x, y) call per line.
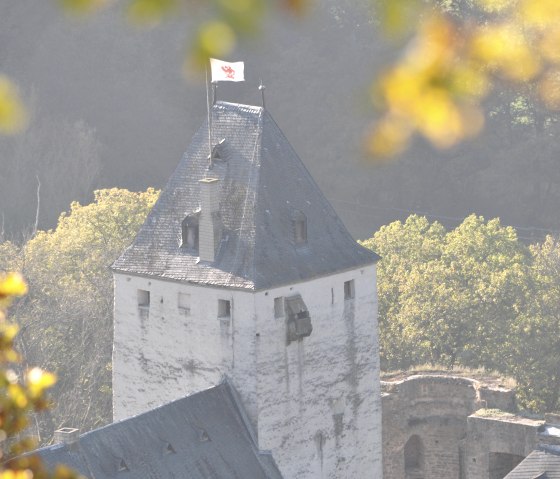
point(448, 298)
point(20, 399)
point(66, 320)
point(403, 247)
point(485, 270)
point(535, 337)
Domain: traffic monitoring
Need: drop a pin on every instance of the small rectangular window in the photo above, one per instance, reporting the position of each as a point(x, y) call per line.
point(224, 308)
point(279, 307)
point(184, 303)
point(143, 298)
point(300, 231)
point(299, 222)
point(349, 289)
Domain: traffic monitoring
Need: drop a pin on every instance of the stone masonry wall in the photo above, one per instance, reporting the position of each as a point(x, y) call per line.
point(496, 444)
point(434, 408)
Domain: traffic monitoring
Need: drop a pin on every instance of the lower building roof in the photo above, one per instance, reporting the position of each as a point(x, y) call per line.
point(202, 436)
point(543, 463)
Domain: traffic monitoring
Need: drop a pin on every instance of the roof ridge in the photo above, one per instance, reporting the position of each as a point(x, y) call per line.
point(257, 154)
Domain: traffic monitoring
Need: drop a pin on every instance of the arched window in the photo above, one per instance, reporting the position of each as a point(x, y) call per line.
point(190, 232)
point(414, 458)
point(299, 223)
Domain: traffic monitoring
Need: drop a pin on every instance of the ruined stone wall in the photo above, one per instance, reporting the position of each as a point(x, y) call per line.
point(432, 411)
point(495, 445)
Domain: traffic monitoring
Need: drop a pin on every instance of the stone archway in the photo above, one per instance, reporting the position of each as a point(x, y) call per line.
point(414, 458)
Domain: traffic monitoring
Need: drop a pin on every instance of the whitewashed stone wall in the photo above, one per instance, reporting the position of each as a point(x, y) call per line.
point(169, 354)
point(319, 398)
point(314, 403)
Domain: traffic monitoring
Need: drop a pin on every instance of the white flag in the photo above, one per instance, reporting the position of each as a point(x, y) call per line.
point(224, 71)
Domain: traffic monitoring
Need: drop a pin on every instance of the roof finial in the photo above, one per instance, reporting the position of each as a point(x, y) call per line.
point(262, 88)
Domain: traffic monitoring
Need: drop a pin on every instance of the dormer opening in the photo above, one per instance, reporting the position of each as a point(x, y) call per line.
point(218, 151)
point(123, 467)
point(299, 223)
point(190, 234)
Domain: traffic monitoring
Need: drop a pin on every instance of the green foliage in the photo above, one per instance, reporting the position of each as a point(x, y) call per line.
point(536, 333)
point(66, 320)
point(20, 398)
point(447, 297)
point(473, 297)
point(405, 249)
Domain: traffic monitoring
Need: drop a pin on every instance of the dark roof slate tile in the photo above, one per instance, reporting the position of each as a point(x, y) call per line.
point(263, 183)
point(543, 463)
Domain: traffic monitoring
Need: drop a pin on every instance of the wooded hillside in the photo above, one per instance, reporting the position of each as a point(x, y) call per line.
point(110, 108)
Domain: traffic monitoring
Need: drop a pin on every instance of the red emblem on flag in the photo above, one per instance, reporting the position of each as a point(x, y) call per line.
point(230, 72)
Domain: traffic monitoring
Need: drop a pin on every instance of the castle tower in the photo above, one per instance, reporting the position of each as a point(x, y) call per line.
point(243, 270)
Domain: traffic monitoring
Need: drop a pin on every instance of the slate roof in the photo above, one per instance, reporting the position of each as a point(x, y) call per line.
point(543, 463)
point(202, 436)
point(263, 184)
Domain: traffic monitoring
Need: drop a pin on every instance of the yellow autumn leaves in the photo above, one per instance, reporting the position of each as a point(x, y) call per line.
point(36, 381)
point(12, 284)
point(451, 64)
point(13, 116)
point(20, 398)
point(425, 92)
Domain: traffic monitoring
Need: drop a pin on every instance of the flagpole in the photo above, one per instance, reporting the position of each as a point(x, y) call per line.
point(209, 120)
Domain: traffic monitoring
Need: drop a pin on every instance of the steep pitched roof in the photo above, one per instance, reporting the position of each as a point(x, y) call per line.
point(201, 436)
point(543, 463)
point(263, 184)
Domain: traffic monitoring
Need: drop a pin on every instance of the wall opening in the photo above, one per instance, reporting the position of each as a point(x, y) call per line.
point(500, 464)
point(184, 303)
point(279, 307)
point(143, 298)
point(224, 308)
point(349, 289)
point(414, 458)
point(189, 232)
point(299, 221)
